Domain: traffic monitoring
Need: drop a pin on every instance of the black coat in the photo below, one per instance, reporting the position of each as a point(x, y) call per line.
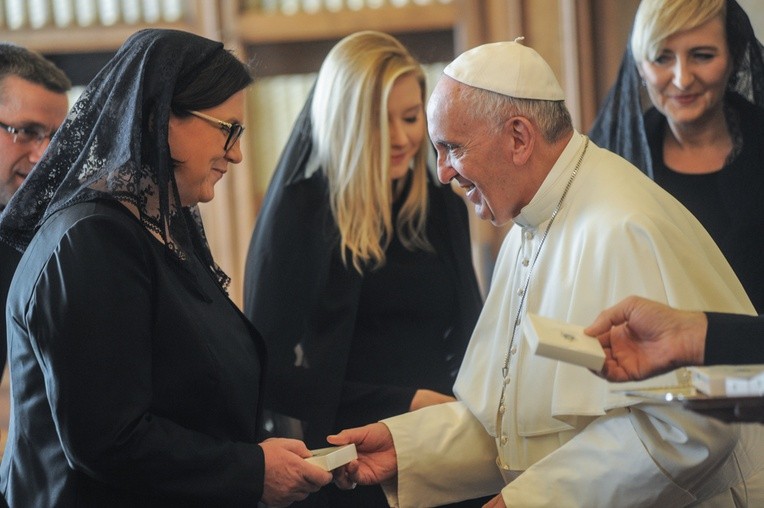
point(9, 258)
point(298, 292)
point(135, 382)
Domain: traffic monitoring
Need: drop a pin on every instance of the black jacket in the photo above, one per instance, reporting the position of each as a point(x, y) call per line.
point(298, 292)
point(9, 259)
point(135, 382)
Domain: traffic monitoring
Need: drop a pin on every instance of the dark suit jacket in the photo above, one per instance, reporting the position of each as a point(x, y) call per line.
point(734, 339)
point(9, 258)
point(135, 381)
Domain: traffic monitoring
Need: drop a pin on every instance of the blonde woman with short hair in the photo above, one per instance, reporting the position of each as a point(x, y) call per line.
point(698, 131)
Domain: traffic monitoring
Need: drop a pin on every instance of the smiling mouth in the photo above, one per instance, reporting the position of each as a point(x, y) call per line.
point(685, 98)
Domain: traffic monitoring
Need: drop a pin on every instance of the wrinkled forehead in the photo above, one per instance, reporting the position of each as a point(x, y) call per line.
point(448, 118)
point(443, 99)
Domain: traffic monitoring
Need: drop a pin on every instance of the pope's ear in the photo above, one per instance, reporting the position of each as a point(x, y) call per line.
point(520, 138)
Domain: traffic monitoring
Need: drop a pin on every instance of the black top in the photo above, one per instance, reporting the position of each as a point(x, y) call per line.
point(136, 386)
point(366, 343)
point(729, 203)
point(734, 339)
point(403, 325)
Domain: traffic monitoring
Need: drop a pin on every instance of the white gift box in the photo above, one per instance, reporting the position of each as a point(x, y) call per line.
point(729, 380)
point(563, 341)
point(333, 457)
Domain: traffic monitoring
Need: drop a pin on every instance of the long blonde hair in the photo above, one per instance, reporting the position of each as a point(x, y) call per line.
point(351, 137)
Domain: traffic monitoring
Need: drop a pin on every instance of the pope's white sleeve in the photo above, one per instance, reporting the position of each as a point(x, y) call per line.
point(645, 455)
point(444, 455)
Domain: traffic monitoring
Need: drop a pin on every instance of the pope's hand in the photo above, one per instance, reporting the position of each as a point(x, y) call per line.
point(377, 461)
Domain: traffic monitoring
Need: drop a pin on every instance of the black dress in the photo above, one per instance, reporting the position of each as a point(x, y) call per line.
point(365, 343)
point(729, 203)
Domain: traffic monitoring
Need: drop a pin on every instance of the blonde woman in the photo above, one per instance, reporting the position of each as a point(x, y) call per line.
point(359, 274)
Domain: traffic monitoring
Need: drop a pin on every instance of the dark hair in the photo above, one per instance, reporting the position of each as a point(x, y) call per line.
point(211, 84)
point(29, 65)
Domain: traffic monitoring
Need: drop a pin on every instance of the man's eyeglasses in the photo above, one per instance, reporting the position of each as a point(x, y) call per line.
point(24, 135)
point(234, 130)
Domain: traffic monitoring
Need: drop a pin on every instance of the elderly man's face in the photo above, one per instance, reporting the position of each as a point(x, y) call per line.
point(472, 155)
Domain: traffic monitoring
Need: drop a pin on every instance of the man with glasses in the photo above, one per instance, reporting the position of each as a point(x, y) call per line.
point(33, 103)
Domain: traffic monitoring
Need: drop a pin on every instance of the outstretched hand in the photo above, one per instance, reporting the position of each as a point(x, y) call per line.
point(288, 477)
point(643, 338)
point(377, 461)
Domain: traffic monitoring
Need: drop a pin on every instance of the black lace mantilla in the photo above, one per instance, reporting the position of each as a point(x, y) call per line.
point(113, 145)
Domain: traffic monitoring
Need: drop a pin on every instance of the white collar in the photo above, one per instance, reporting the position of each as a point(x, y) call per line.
point(543, 203)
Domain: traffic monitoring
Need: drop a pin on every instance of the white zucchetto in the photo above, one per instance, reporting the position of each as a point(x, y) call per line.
point(508, 68)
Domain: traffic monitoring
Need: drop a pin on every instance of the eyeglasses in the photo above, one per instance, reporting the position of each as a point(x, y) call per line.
point(234, 130)
point(24, 135)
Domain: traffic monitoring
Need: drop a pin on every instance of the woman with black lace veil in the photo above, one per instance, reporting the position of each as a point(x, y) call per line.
point(359, 273)
point(699, 136)
point(135, 381)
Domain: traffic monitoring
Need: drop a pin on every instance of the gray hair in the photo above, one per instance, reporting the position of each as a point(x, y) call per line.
point(551, 117)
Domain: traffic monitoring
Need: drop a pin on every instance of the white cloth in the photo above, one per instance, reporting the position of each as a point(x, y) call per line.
point(565, 439)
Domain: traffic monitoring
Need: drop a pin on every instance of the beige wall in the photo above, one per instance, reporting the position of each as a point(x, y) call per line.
point(755, 11)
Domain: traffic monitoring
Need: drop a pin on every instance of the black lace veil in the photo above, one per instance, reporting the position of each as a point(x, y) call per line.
point(620, 126)
point(113, 144)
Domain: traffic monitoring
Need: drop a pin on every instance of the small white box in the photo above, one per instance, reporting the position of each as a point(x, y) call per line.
point(728, 380)
point(756, 384)
point(333, 457)
point(563, 341)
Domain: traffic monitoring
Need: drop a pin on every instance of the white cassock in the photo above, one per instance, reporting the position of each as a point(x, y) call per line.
point(563, 438)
